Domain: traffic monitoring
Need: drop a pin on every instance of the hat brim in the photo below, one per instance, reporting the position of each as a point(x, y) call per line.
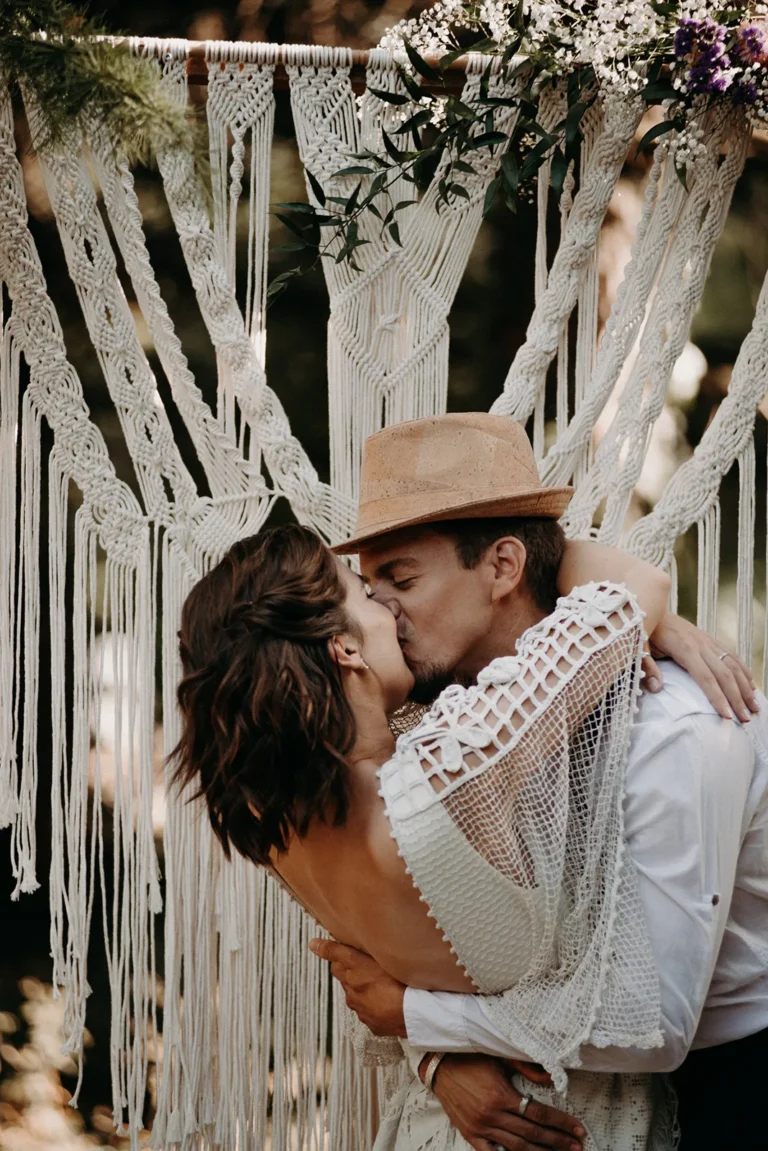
point(549, 503)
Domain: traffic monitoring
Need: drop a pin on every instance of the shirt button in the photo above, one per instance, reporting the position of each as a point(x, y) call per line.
point(715, 900)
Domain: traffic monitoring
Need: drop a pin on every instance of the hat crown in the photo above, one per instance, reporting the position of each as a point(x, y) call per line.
point(459, 453)
point(458, 466)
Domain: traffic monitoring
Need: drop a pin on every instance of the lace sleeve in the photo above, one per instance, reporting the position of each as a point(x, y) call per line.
point(564, 667)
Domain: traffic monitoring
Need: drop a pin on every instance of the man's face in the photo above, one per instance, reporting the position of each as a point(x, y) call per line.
point(443, 610)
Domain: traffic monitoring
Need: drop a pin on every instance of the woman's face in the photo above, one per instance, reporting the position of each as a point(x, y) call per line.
point(379, 645)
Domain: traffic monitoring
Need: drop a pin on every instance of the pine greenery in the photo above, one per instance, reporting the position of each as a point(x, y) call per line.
point(52, 48)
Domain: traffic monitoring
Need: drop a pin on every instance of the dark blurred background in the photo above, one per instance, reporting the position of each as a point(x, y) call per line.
point(488, 323)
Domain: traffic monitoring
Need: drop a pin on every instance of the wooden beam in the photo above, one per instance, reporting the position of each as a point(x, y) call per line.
point(198, 68)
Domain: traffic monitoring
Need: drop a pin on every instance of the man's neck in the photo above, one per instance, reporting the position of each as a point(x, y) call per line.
point(513, 619)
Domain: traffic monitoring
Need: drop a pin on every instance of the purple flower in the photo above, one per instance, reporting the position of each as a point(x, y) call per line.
point(694, 37)
point(684, 38)
point(750, 44)
point(709, 80)
point(744, 92)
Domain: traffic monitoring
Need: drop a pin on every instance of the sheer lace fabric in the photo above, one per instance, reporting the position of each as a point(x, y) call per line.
point(506, 803)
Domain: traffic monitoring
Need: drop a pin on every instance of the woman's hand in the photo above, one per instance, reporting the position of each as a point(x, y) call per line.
point(724, 678)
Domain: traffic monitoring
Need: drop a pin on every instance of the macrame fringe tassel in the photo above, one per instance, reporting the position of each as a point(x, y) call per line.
point(9, 415)
point(745, 579)
point(27, 640)
point(709, 568)
point(109, 700)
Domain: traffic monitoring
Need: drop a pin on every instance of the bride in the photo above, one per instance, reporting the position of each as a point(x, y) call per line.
point(483, 851)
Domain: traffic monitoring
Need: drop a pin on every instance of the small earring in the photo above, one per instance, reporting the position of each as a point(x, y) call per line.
point(365, 665)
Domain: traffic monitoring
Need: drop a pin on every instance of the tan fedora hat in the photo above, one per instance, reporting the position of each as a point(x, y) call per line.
point(464, 465)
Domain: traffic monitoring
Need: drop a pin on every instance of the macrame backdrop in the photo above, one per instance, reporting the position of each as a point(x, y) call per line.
point(248, 1018)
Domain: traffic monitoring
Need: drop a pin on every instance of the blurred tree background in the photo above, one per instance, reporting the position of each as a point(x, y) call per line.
point(488, 323)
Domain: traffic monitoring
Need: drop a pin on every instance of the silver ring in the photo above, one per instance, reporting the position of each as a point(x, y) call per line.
point(725, 653)
point(523, 1104)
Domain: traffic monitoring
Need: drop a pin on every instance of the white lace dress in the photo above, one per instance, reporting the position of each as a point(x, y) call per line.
point(506, 803)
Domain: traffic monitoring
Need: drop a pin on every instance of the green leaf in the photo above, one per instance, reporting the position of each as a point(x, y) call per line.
point(540, 82)
point(417, 121)
point(510, 170)
point(659, 90)
point(460, 109)
point(653, 134)
point(509, 54)
point(353, 170)
point(420, 64)
point(389, 97)
point(290, 225)
point(488, 140)
point(459, 190)
point(352, 202)
point(449, 58)
point(393, 151)
point(403, 204)
point(280, 283)
point(510, 197)
point(374, 157)
point(462, 166)
point(378, 184)
point(414, 90)
point(573, 120)
point(299, 246)
point(682, 175)
point(534, 160)
point(316, 188)
point(394, 232)
point(490, 194)
point(558, 172)
point(296, 206)
point(537, 130)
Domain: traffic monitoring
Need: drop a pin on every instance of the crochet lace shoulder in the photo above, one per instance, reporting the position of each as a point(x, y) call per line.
point(593, 637)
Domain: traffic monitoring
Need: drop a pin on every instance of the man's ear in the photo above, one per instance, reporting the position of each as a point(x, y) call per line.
point(345, 651)
point(508, 558)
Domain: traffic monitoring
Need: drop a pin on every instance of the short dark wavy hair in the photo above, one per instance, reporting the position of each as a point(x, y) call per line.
point(542, 537)
point(266, 725)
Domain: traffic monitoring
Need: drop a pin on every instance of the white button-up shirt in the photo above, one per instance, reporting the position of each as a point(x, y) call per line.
point(696, 823)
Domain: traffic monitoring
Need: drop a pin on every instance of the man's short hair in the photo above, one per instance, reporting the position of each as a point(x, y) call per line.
point(542, 537)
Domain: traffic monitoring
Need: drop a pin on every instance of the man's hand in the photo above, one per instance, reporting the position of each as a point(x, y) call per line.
point(481, 1103)
point(375, 997)
point(727, 682)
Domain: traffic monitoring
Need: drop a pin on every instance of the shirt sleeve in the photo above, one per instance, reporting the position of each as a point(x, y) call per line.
point(686, 790)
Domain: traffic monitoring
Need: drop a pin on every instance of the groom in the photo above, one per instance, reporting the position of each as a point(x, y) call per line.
point(448, 507)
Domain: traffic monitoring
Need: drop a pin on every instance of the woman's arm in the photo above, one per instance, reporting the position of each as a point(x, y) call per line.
point(585, 561)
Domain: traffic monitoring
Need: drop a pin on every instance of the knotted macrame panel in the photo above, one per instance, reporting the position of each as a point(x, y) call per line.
point(253, 1051)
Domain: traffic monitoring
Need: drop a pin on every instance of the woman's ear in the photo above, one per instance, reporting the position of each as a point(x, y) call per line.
point(345, 652)
point(508, 557)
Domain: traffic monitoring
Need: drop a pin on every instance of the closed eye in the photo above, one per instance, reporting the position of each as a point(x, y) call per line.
point(366, 587)
point(403, 584)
